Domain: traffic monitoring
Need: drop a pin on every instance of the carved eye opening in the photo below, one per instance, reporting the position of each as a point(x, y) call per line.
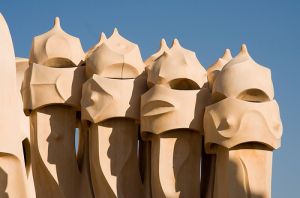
point(253, 145)
point(217, 97)
point(253, 95)
point(183, 84)
point(59, 63)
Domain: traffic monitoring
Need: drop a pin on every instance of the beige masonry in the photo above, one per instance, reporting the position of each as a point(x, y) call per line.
point(111, 101)
point(242, 128)
point(163, 127)
point(13, 174)
point(22, 65)
point(51, 95)
point(170, 114)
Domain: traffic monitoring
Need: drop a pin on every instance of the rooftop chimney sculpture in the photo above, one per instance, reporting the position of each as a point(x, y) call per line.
point(164, 127)
point(110, 101)
point(170, 114)
point(242, 127)
point(51, 94)
point(13, 160)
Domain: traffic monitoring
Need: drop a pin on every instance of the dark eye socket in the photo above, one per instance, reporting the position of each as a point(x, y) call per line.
point(253, 95)
point(217, 96)
point(183, 84)
point(59, 62)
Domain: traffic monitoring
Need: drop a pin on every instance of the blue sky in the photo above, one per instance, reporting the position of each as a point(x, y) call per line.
point(271, 30)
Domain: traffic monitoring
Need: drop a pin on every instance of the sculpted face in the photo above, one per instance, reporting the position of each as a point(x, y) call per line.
point(244, 109)
point(233, 121)
point(44, 85)
point(176, 98)
point(164, 109)
point(106, 98)
point(116, 80)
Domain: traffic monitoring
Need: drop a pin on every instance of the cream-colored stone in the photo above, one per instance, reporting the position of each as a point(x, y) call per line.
point(114, 57)
point(105, 98)
point(102, 38)
point(102, 95)
point(164, 109)
point(170, 114)
point(45, 85)
point(45, 48)
point(242, 128)
point(177, 68)
point(208, 160)
point(113, 158)
point(175, 164)
point(111, 101)
point(243, 78)
point(215, 68)
point(13, 179)
point(163, 47)
point(22, 65)
point(227, 123)
point(243, 172)
point(51, 91)
point(54, 159)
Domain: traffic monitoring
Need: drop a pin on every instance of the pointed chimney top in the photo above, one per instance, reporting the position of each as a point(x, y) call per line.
point(176, 43)
point(163, 44)
point(115, 31)
point(227, 55)
point(102, 37)
point(57, 22)
point(244, 49)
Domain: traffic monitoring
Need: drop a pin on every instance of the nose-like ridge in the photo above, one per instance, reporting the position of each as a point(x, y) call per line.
point(224, 125)
point(224, 128)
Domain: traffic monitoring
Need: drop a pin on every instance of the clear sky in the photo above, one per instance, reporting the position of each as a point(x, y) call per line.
point(271, 30)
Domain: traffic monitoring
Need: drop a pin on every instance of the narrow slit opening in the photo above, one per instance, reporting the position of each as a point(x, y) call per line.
point(253, 95)
point(26, 154)
point(76, 141)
